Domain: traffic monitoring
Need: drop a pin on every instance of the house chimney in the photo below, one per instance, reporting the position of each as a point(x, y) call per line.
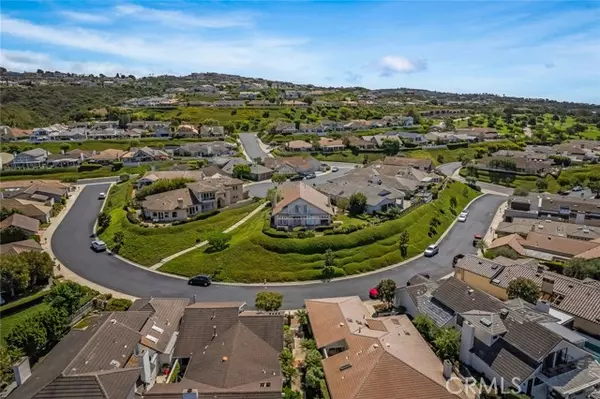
point(503, 313)
point(22, 370)
point(447, 369)
point(467, 339)
point(180, 203)
point(547, 286)
point(542, 306)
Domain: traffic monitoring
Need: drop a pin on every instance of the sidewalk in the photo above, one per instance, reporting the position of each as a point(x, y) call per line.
point(62, 270)
point(498, 217)
point(203, 243)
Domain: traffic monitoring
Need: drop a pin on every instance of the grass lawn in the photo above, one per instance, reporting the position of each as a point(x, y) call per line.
point(199, 114)
point(254, 257)
point(512, 180)
point(147, 246)
point(348, 220)
point(9, 322)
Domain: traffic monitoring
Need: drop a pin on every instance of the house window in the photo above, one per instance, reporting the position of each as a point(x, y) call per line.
point(297, 209)
point(174, 214)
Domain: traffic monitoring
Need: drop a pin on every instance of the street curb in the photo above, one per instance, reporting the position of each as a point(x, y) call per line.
point(95, 228)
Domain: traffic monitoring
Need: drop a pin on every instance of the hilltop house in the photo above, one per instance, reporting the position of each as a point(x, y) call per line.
point(302, 205)
point(34, 158)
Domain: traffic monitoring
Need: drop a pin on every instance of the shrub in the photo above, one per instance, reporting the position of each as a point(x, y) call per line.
point(118, 304)
point(88, 167)
point(268, 301)
point(218, 241)
point(161, 186)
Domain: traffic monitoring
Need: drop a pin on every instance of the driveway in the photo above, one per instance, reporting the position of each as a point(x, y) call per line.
point(260, 189)
point(251, 146)
point(71, 245)
point(449, 169)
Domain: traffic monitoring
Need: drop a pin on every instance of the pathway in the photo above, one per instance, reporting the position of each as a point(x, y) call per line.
point(203, 243)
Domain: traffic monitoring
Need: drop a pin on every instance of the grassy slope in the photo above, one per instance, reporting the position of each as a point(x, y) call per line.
point(199, 114)
point(10, 322)
point(147, 246)
point(248, 260)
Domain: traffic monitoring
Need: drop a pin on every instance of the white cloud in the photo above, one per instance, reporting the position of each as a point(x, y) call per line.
point(85, 17)
point(183, 20)
point(391, 65)
point(275, 57)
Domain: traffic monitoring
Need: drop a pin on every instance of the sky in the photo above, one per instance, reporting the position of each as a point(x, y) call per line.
point(519, 48)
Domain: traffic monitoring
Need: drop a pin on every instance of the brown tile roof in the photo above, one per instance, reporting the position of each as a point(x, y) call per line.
point(24, 222)
point(403, 161)
point(169, 200)
point(229, 351)
point(512, 240)
point(27, 208)
point(389, 361)
point(555, 244)
point(174, 174)
point(299, 144)
point(108, 155)
point(299, 190)
point(324, 142)
point(18, 247)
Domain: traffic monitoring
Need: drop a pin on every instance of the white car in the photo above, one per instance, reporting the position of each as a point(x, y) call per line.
point(98, 246)
point(431, 250)
point(463, 216)
point(334, 168)
point(101, 195)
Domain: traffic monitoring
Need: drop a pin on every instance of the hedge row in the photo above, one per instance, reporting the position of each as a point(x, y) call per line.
point(88, 167)
point(44, 171)
point(23, 303)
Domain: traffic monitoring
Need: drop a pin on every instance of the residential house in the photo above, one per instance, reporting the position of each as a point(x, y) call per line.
point(536, 156)
point(28, 225)
point(284, 128)
point(380, 197)
point(331, 126)
point(526, 165)
point(105, 134)
point(148, 125)
point(524, 226)
point(11, 134)
point(162, 132)
point(331, 145)
point(145, 154)
point(249, 95)
point(45, 191)
point(292, 165)
point(302, 205)
point(74, 134)
point(186, 131)
point(32, 209)
point(204, 195)
point(18, 247)
point(259, 172)
point(417, 163)
point(108, 156)
point(35, 158)
point(582, 211)
point(519, 345)
point(101, 125)
point(548, 247)
point(380, 139)
point(409, 137)
point(154, 176)
point(117, 356)
point(298, 146)
point(358, 124)
point(63, 160)
point(360, 143)
point(578, 298)
point(212, 131)
point(6, 159)
point(481, 133)
point(133, 133)
point(379, 358)
point(311, 128)
point(227, 352)
point(295, 103)
point(540, 149)
point(208, 149)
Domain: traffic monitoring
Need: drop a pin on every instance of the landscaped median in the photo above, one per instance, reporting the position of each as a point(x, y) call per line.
point(252, 256)
point(148, 245)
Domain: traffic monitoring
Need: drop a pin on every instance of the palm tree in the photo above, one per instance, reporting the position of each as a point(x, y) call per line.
point(302, 316)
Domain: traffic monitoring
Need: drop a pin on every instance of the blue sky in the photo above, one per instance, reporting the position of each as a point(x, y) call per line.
point(525, 48)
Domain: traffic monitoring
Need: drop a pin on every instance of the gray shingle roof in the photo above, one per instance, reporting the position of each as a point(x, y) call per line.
point(459, 297)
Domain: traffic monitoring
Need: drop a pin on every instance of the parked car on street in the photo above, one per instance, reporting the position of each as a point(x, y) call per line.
point(431, 250)
point(463, 216)
point(310, 176)
point(456, 259)
point(101, 195)
point(98, 246)
point(373, 293)
point(296, 178)
point(334, 168)
point(201, 279)
point(476, 239)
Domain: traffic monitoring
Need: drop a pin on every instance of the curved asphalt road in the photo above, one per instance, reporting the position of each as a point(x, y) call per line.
point(71, 245)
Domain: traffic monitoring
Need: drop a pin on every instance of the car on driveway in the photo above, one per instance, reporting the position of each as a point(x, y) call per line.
point(456, 259)
point(431, 250)
point(463, 216)
point(201, 279)
point(101, 195)
point(98, 246)
point(476, 239)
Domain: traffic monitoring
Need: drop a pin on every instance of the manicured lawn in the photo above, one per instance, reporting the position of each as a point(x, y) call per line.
point(9, 322)
point(254, 257)
point(348, 220)
point(512, 180)
point(148, 246)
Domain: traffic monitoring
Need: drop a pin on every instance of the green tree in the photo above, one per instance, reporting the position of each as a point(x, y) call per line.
point(30, 338)
point(523, 288)
point(342, 203)
point(390, 147)
point(426, 327)
point(521, 192)
point(13, 234)
point(357, 204)
point(308, 344)
point(124, 120)
point(268, 301)
point(313, 377)
point(7, 359)
point(308, 99)
point(278, 178)
point(65, 147)
point(440, 158)
point(387, 290)
point(302, 316)
point(594, 185)
point(5, 212)
point(453, 202)
point(289, 393)
point(55, 322)
point(274, 195)
point(447, 343)
point(328, 266)
point(103, 220)
point(161, 186)
point(541, 184)
point(218, 241)
point(403, 244)
point(14, 273)
point(40, 266)
point(288, 337)
point(241, 171)
point(118, 305)
point(66, 295)
point(583, 268)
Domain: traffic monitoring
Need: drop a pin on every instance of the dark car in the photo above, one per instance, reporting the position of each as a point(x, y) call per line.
point(200, 280)
point(311, 176)
point(476, 239)
point(456, 259)
point(296, 178)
